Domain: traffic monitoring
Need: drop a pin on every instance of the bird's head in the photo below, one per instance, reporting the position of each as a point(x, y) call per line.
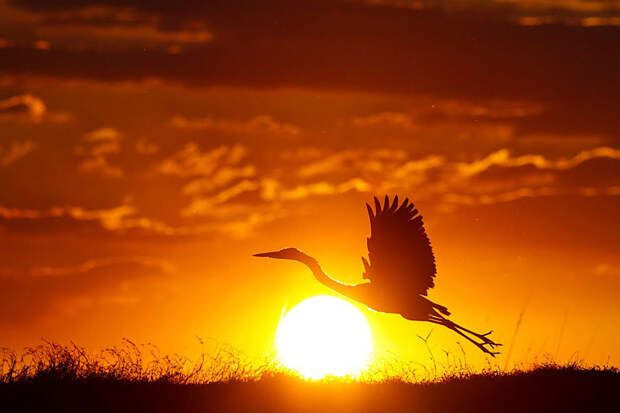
point(285, 254)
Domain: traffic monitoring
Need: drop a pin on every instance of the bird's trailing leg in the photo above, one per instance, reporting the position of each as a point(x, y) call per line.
point(484, 338)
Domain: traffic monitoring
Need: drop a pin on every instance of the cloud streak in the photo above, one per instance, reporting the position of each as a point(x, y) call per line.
point(158, 264)
point(503, 158)
point(360, 51)
point(99, 145)
point(15, 151)
point(27, 105)
point(258, 124)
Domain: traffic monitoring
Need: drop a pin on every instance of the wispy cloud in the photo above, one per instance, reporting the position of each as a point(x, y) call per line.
point(192, 161)
point(118, 32)
point(109, 25)
point(393, 119)
point(15, 151)
point(99, 145)
point(66, 291)
point(503, 158)
point(257, 124)
point(219, 178)
point(273, 190)
point(201, 205)
point(27, 105)
point(213, 177)
point(29, 108)
point(159, 264)
point(145, 147)
point(450, 200)
point(358, 160)
point(122, 217)
point(106, 134)
point(490, 109)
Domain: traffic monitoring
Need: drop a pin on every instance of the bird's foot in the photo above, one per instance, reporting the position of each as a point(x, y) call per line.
point(482, 347)
point(486, 341)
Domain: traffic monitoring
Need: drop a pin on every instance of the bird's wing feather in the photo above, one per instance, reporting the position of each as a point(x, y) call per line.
point(399, 249)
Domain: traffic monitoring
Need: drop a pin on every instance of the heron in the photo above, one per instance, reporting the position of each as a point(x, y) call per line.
point(399, 272)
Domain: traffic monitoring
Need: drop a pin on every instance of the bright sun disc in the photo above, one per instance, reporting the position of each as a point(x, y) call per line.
point(324, 336)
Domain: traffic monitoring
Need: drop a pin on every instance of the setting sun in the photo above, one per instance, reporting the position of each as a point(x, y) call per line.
point(324, 336)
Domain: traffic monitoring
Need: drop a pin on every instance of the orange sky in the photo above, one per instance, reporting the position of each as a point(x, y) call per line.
point(147, 149)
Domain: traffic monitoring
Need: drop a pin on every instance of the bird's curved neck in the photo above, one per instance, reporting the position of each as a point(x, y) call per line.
point(323, 278)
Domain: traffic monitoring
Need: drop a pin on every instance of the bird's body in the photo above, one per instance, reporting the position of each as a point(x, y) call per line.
point(390, 300)
point(401, 269)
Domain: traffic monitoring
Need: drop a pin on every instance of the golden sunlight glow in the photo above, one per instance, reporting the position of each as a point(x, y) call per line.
point(324, 336)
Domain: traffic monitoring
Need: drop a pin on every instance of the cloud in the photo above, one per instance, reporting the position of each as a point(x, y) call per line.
point(373, 170)
point(503, 158)
point(17, 213)
point(376, 48)
point(497, 9)
point(101, 165)
point(540, 140)
point(374, 160)
point(144, 147)
point(233, 215)
point(200, 205)
point(492, 109)
point(158, 264)
point(394, 119)
point(94, 27)
point(28, 106)
point(319, 188)
point(103, 134)
point(271, 190)
point(245, 225)
point(449, 200)
point(486, 199)
point(119, 33)
point(500, 178)
point(111, 219)
point(120, 218)
point(62, 292)
point(221, 192)
point(605, 269)
point(237, 221)
point(219, 178)
point(593, 21)
point(192, 161)
point(420, 165)
point(100, 144)
point(330, 164)
point(569, 12)
point(497, 177)
point(257, 124)
point(42, 45)
point(208, 171)
point(429, 114)
point(434, 125)
point(15, 151)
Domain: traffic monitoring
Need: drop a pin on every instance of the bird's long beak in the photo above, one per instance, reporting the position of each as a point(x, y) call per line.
point(272, 254)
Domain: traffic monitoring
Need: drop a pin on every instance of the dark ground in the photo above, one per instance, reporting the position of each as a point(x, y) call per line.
point(546, 389)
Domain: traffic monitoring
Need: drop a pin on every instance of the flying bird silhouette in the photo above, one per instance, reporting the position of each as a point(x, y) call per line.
point(401, 270)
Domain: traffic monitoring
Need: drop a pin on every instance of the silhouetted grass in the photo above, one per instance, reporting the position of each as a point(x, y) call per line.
point(130, 377)
point(128, 363)
point(133, 363)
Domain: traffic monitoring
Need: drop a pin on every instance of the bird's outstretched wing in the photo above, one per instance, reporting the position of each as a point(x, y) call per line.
point(399, 249)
